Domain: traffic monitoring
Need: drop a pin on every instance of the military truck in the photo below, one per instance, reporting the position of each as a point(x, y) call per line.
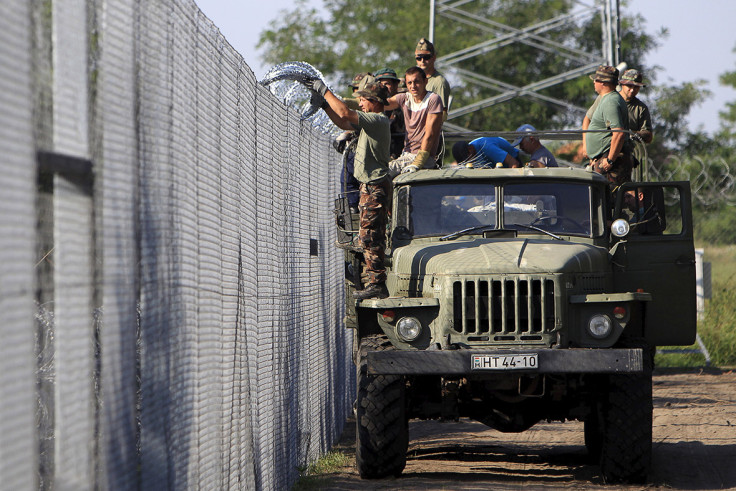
point(521, 295)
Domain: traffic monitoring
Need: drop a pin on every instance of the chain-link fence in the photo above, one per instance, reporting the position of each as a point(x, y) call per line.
point(170, 299)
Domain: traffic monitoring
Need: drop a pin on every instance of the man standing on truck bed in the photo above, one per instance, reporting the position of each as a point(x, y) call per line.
point(423, 120)
point(606, 148)
point(371, 169)
point(640, 120)
point(425, 55)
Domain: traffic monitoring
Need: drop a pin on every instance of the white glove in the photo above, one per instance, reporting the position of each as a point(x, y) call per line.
point(409, 168)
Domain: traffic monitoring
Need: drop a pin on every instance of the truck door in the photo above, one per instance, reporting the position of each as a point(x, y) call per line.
point(658, 257)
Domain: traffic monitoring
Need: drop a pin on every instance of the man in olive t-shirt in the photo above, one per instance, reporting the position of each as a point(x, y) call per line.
point(371, 169)
point(609, 125)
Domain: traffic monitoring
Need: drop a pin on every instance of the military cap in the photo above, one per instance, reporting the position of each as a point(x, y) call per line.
point(373, 91)
point(605, 73)
point(425, 44)
point(632, 77)
point(386, 74)
point(358, 78)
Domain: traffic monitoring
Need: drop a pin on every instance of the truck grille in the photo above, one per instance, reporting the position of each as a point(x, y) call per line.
point(502, 310)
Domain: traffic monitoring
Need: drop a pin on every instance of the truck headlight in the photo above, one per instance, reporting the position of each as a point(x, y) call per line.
point(600, 326)
point(620, 227)
point(408, 328)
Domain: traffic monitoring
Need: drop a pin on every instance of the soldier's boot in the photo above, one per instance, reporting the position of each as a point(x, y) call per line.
point(374, 290)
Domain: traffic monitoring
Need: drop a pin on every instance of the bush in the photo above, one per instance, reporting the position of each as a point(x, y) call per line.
point(715, 226)
point(717, 328)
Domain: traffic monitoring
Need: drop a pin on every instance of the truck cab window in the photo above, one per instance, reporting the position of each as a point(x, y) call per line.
point(555, 207)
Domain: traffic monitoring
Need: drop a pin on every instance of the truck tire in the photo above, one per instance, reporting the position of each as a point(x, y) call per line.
point(382, 431)
point(626, 443)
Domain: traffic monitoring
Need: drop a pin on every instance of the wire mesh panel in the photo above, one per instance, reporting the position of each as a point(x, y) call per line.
point(188, 303)
point(18, 436)
point(119, 267)
point(73, 255)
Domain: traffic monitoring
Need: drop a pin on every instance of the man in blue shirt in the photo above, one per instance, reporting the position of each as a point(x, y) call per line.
point(487, 151)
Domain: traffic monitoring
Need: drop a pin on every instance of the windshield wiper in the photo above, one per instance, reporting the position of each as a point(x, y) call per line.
point(533, 227)
point(466, 231)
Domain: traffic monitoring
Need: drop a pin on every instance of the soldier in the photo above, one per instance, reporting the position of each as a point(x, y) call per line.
point(347, 142)
point(425, 56)
point(640, 121)
point(606, 148)
point(387, 77)
point(371, 169)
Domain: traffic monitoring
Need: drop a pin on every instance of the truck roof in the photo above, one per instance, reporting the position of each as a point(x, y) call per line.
point(457, 173)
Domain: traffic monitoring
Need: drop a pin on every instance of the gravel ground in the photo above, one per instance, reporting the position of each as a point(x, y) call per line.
point(694, 447)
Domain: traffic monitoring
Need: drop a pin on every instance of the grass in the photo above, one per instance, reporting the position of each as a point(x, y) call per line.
point(717, 328)
point(312, 476)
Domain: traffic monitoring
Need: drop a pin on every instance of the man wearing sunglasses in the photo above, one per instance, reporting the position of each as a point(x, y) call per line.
point(436, 82)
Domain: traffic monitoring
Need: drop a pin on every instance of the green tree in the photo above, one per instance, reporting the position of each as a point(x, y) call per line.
point(669, 105)
point(726, 136)
point(353, 36)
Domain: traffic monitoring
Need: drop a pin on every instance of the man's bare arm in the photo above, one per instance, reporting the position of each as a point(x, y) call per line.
point(586, 124)
point(431, 131)
point(617, 143)
point(340, 114)
point(646, 135)
point(392, 104)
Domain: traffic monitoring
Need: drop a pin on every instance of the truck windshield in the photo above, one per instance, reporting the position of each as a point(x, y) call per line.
point(441, 209)
point(561, 208)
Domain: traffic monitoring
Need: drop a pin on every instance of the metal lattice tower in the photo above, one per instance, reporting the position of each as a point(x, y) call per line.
point(500, 35)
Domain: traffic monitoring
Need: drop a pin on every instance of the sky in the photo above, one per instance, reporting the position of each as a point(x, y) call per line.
point(700, 44)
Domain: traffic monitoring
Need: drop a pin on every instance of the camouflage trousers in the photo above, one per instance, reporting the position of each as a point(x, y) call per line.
point(620, 171)
point(375, 203)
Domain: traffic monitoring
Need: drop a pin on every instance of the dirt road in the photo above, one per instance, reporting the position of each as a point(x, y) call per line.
point(694, 447)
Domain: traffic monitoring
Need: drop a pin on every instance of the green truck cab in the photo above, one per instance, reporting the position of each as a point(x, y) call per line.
point(521, 295)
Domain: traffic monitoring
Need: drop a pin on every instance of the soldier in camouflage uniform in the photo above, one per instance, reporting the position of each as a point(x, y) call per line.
point(346, 144)
point(371, 169)
point(387, 77)
point(640, 121)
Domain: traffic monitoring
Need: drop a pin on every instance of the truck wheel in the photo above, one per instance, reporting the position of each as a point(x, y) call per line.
point(626, 445)
point(382, 435)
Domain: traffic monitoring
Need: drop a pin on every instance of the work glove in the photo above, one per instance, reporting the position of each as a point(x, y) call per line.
point(317, 100)
point(420, 159)
point(316, 85)
point(409, 168)
point(342, 140)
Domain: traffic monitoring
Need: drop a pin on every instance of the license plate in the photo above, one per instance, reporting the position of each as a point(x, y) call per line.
point(504, 362)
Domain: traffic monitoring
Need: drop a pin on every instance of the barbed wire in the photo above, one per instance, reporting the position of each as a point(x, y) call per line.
point(712, 180)
point(285, 81)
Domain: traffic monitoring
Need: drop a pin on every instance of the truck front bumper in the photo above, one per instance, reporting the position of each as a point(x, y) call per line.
point(460, 362)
